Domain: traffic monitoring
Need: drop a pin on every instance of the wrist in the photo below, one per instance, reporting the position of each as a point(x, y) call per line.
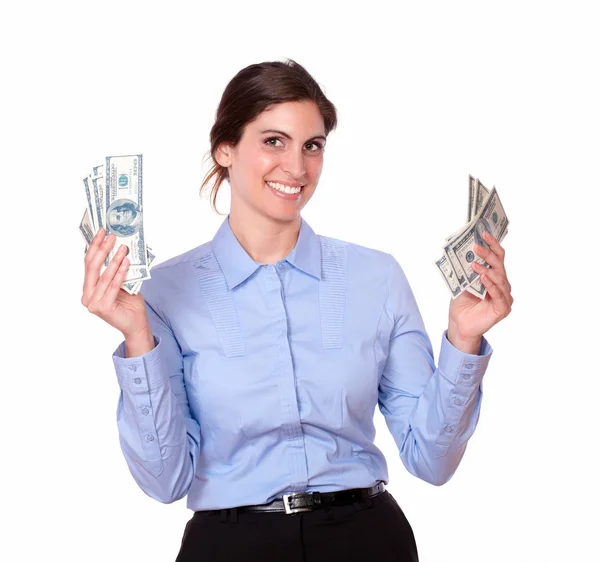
point(139, 343)
point(466, 345)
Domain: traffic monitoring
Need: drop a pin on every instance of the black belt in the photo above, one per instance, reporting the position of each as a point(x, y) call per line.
point(307, 501)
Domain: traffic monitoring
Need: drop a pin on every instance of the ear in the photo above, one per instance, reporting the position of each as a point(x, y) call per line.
point(223, 154)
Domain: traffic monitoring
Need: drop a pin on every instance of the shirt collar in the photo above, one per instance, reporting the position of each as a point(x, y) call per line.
point(306, 254)
point(237, 265)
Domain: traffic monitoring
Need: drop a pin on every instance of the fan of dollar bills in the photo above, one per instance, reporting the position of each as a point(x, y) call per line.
point(485, 213)
point(114, 202)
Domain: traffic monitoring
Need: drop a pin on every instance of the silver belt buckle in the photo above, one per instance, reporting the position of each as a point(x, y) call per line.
point(286, 503)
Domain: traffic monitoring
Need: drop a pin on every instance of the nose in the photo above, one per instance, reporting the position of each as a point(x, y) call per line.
point(293, 163)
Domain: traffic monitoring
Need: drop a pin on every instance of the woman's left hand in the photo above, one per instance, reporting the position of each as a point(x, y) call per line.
point(470, 317)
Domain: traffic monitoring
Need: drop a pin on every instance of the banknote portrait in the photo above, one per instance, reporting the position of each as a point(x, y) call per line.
point(123, 217)
point(482, 226)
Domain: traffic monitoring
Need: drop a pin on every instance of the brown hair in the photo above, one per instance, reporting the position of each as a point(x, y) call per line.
point(252, 90)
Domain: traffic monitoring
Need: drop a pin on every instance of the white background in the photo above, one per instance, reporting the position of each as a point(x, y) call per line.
point(427, 94)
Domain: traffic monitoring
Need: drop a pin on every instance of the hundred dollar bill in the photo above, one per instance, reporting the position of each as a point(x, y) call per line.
point(133, 287)
point(449, 275)
point(450, 268)
point(99, 196)
point(91, 200)
point(482, 194)
point(491, 218)
point(123, 211)
point(87, 228)
point(477, 288)
point(472, 198)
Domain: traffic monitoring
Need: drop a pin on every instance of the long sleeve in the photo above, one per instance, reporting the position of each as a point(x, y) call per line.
point(431, 412)
point(158, 437)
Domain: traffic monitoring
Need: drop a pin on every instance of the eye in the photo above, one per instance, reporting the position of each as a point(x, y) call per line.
point(318, 146)
point(268, 141)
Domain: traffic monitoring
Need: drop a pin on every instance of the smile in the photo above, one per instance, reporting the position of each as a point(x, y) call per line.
point(284, 188)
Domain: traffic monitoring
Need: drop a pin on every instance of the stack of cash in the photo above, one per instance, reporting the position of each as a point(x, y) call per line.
point(485, 213)
point(114, 202)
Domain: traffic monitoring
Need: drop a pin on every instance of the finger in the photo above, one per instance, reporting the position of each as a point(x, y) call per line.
point(501, 304)
point(498, 277)
point(114, 287)
point(490, 256)
point(94, 259)
point(97, 300)
point(494, 245)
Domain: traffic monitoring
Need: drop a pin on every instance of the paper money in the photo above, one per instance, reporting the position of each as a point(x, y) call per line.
point(123, 211)
point(133, 287)
point(114, 195)
point(86, 226)
point(477, 193)
point(486, 214)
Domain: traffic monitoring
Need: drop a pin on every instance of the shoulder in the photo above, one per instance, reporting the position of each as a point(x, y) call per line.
point(190, 257)
point(173, 277)
point(369, 269)
point(357, 254)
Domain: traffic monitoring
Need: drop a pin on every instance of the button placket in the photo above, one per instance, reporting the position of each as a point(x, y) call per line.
point(291, 425)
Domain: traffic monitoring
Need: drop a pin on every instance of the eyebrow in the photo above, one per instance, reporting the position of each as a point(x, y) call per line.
point(284, 134)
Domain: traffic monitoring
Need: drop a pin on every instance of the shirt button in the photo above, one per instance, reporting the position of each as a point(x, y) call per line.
point(469, 366)
point(149, 437)
point(145, 411)
point(137, 380)
point(280, 265)
point(449, 429)
point(457, 401)
point(132, 368)
point(466, 376)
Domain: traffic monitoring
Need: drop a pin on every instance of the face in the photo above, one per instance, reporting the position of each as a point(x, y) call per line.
point(121, 215)
point(281, 150)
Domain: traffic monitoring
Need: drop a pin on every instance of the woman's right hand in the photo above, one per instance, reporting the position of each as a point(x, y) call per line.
point(102, 294)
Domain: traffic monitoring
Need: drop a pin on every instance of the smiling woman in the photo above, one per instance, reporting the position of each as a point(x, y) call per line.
point(274, 173)
point(252, 365)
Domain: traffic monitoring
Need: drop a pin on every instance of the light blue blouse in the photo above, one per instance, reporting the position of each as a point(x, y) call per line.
point(265, 378)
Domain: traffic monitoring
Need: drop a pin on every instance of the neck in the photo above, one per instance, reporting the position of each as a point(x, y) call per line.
point(265, 240)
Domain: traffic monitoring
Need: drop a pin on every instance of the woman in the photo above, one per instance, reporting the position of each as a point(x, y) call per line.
point(252, 364)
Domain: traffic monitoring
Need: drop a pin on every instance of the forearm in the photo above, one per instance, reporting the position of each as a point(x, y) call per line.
point(433, 424)
point(158, 437)
point(155, 442)
point(444, 419)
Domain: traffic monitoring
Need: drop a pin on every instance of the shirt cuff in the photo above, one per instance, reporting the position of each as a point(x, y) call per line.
point(141, 373)
point(465, 368)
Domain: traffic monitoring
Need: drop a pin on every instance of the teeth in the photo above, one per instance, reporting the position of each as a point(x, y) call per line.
point(283, 188)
